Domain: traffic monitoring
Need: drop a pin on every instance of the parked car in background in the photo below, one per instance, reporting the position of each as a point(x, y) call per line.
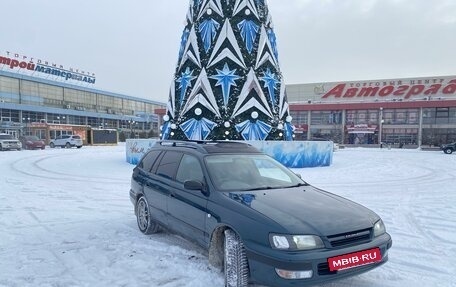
point(66, 141)
point(8, 142)
point(32, 142)
point(260, 222)
point(448, 148)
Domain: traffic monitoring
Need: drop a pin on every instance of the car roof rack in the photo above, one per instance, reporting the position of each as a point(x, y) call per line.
point(199, 144)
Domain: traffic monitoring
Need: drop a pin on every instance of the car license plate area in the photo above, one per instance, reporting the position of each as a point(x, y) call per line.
point(355, 259)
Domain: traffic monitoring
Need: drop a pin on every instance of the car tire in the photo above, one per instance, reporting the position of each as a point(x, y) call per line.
point(51, 145)
point(67, 145)
point(235, 264)
point(1, 148)
point(145, 223)
point(79, 146)
point(448, 150)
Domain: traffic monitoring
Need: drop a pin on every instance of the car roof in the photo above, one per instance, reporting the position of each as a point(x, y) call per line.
point(209, 147)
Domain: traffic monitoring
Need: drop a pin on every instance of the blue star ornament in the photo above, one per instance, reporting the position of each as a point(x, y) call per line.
point(226, 78)
point(197, 129)
point(254, 131)
point(270, 81)
point(208, 30)
point(249, 31)
point(185, 82)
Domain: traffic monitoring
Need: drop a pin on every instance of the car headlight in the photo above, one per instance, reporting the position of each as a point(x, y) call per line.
point(379, 228)
point(296, 242)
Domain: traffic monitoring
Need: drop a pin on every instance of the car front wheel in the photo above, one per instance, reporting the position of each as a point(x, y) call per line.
point(145, 223)
point(235, 262)
point(448, 150)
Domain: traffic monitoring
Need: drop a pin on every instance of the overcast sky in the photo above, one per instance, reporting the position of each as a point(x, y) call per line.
point(132, 46)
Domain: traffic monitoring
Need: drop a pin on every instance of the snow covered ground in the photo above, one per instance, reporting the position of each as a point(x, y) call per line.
point(66, 220)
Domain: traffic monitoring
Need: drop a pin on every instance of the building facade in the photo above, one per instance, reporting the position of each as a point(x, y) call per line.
point(36, 106)
point(409, 111)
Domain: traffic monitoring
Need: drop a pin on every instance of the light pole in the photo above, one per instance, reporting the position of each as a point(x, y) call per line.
point(380, 127)
point(27, 129)
point(132, 123)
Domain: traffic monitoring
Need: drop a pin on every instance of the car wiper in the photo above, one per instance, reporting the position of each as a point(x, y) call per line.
point(299, 184)
point(261, 188)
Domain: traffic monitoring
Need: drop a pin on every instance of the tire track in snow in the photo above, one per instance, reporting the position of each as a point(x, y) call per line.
point(31, 166)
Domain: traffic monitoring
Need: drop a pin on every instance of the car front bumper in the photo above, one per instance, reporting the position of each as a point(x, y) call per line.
point(10, 146)
point(263, 267)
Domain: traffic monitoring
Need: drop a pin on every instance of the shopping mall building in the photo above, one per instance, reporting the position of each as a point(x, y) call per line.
point(51, 100)
point(408, 111)
point(50, 106)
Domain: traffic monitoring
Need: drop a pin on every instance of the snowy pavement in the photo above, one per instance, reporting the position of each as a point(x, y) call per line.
point(66, 220)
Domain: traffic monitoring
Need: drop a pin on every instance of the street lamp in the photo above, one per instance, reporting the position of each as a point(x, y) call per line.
point(380, 127)
point(27, 129)
point(132, 123)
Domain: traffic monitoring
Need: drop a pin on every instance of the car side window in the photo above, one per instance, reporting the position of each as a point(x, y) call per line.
point(168, 164)
point(149, 159)
point(189, 169)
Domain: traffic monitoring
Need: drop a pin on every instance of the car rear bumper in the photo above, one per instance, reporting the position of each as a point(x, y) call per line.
point(263, 267)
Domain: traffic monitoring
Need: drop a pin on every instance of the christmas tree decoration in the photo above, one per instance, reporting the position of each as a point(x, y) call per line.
point(227, 83)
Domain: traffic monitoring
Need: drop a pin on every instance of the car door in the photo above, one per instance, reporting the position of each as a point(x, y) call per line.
point(187, 209)
point(154, 195)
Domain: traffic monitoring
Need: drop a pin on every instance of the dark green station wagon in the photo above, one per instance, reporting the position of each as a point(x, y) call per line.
point(260, 222)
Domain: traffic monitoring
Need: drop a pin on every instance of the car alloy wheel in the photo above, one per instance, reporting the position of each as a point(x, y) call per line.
point(448, 150)
point(235, 262)
point(145, 223)
point(68, 145)
point(51, 145)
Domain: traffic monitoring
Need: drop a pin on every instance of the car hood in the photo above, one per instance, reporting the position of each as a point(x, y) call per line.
point(308, 210)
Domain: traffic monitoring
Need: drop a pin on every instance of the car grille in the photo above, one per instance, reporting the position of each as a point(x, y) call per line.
point(350, 238)
point(323, 269)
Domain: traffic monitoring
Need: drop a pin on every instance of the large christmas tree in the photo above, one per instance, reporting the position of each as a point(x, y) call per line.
point(228, 83)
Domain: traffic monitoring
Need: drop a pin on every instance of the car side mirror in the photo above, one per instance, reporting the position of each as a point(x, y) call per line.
point(195, 185)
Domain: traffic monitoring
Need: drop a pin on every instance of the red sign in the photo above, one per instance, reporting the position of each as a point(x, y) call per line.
point(384, 90)
point(354, 259)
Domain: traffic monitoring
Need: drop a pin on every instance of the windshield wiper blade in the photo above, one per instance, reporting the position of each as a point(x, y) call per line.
point(261, 188)
point(300, 184)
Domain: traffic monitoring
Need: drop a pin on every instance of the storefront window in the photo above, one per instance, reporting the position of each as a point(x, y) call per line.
point(413, 117)
point(362, 117)
point(437, 137)
point(373, 117)
point(401, 117)
point(9, 90)
point(388, 117)
point(429, 116)
point(452, 116)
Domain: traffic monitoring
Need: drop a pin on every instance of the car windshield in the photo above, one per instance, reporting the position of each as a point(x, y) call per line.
point(6, 137)
point(245, 172)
